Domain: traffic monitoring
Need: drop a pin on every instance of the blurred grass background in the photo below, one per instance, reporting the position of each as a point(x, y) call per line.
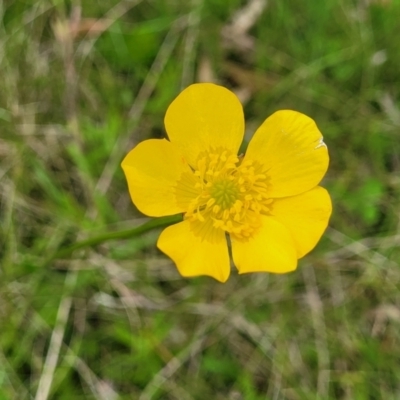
point(81, 83)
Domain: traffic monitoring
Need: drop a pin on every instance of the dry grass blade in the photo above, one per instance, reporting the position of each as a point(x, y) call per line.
point(317, 316)
point(56, 341)
point(236, 33)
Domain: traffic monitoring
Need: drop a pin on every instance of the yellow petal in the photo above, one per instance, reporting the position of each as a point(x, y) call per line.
point(205, 116)
point(194, 256)
point(153, 169)
point(290, 147)
point(306, 217)
point(272, 249)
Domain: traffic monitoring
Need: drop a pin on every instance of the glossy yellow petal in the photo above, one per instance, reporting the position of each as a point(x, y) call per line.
point(153, 169)
point(205, 116)
point(272, 249)
point(290, 147)
point(306, 216)
point(193, 255)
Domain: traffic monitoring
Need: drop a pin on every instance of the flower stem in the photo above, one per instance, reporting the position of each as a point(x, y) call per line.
point(125, 234)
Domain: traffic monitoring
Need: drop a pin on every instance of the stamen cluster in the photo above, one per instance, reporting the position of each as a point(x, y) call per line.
point(232, 193)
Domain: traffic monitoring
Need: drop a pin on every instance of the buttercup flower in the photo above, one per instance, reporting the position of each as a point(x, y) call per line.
point(266, 203)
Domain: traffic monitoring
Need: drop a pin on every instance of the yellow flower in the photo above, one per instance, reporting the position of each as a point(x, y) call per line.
point(267, 202)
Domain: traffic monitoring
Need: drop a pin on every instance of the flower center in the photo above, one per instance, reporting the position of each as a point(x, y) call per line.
point(225, 192)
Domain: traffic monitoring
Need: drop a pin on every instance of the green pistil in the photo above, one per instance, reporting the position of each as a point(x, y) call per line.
point(225, 193)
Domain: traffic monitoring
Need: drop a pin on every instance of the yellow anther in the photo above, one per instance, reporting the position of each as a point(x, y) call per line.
point(216, 209)
point(210, 202)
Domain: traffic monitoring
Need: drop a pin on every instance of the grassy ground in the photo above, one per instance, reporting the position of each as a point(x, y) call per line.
point(80, 85)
